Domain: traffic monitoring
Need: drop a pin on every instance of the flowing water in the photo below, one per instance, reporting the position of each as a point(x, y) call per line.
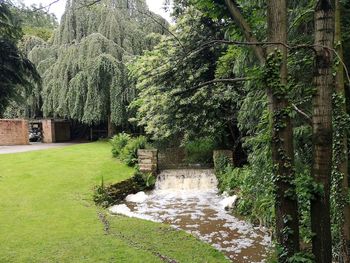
point(188, 200)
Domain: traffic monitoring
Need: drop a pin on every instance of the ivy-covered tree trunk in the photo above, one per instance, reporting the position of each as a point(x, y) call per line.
point(286, 205)
point(342, 162)
point(322, 131)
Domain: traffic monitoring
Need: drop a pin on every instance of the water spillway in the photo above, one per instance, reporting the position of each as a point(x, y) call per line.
point(187, 179)
point(188, 200)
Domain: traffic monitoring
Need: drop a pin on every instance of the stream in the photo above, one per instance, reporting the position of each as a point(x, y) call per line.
point(188, 200)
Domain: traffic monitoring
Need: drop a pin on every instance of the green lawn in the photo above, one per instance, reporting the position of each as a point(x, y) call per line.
point(47, 215)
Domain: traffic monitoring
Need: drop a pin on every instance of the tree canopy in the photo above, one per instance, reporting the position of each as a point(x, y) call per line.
point(83, 67)
point(17, 73)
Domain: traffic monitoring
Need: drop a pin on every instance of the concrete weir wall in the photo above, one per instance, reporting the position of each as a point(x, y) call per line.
point(14, 132)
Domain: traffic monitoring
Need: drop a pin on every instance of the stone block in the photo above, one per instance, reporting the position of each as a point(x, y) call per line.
point(147, 160)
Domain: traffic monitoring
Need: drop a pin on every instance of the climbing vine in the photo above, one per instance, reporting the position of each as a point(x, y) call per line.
point(339, 199)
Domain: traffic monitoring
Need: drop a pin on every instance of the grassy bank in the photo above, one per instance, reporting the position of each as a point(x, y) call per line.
point(47, 214)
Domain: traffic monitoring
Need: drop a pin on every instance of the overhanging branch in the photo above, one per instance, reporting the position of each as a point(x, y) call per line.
point(303, 114)
point(214, 81)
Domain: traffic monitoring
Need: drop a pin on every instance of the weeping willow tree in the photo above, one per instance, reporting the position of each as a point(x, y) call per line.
point(84, 67)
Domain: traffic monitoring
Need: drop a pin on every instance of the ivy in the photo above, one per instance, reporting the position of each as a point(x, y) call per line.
point(339, 199)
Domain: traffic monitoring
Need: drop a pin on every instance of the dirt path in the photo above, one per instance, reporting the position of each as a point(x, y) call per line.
point(32, 147)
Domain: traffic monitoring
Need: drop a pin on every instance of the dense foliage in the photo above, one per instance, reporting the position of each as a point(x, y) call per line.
point(36, 21)
point(170, 101)
point(37, 26)
point(125, 147)
point(83, 66)
point(18, 75)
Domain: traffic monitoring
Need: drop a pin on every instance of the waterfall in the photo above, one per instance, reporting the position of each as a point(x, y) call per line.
point(187, 179)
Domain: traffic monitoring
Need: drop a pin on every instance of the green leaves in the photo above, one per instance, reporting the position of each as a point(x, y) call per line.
point(167, 77)
point(84, 70)
point(17, 74)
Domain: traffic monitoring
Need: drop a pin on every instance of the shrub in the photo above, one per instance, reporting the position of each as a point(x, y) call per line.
point(255, 201)
point(112, 194)
point(118, 142)
point(146, 180)
point(200, 150)
point(101, 196)
point(221, 162)
point(129, 153)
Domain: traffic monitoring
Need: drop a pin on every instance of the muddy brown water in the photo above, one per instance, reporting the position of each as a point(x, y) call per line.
point(189, 201)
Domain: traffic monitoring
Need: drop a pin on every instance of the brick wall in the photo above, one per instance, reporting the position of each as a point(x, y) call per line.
point(55, 131)
point(14, 132)
point(48, 127)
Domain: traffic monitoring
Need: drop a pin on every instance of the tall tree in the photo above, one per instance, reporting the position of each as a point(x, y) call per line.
point(16, 71)
point(38, 27)
point(340, 144)
point(322, 130)
point(84, 70)
point(286, 205)
point(173, 96)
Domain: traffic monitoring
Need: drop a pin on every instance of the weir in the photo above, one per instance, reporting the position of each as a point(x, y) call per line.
point(187, 179)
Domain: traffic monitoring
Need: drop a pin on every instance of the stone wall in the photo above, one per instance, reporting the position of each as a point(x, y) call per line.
point(148, 161)
point(14, 132)
point(172, 158)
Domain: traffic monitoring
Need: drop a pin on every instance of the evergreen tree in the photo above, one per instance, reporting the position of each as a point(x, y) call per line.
point(17, 73)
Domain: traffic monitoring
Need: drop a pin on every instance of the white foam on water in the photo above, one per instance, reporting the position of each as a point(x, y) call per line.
point(124, 210)
point(140, 197)
point(229, 202)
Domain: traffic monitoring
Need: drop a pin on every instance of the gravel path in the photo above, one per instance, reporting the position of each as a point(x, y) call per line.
point(32, 147)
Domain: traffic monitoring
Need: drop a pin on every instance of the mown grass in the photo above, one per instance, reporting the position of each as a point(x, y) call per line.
point(47, 213)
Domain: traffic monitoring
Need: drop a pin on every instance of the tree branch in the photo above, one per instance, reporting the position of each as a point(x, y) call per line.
point(46, 6)
point(245, 28)
point(303, 114)
point(299, 18)
point(264, 43)
point(203, 84)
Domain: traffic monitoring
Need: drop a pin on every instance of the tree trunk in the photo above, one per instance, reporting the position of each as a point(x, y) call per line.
point(322, 132)
point(111, 127)
point(287, 224)
point(343, 165)
point(286, 205)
